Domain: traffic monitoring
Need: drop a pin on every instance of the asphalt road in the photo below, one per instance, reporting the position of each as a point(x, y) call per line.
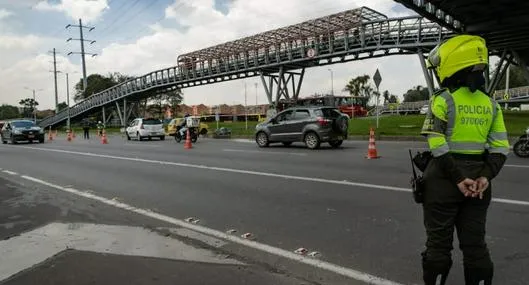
point(287, 197)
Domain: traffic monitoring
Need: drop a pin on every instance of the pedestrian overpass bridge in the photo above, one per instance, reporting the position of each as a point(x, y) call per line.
point(279, 57)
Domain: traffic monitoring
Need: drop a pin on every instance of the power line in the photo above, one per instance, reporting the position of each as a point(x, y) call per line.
point(82, 53)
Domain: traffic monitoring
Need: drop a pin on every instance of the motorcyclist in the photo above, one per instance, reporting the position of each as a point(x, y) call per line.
point(183, 125)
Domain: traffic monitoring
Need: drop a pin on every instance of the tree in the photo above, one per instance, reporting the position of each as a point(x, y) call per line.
point(418, 93)
point(29, 106)
point(386, 96)
point(161, 100)
point(95, 84)
point(393, 99)
point(8, 112)
point(62, 106)
point(357, 86)
point(516, 78)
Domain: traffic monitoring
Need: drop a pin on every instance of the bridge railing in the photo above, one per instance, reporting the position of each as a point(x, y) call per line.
point(514, 93)
point(370, 39)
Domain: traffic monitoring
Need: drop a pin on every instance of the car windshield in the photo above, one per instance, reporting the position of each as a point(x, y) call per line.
point(152, 122)
point(23, 124)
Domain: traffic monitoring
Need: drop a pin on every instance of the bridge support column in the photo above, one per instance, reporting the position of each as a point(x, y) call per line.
point(124, 113)
point(504, 63)
point(427, 74)
point(282, 80)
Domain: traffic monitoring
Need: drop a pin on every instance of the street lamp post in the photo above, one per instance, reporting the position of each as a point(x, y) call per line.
point(332, 82)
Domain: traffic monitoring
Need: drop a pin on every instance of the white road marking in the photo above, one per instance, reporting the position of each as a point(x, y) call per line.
point(10, 172)
point(264, 152)
point(142, 145)
point(258, 173)
point(516, 165)
point(348, 272)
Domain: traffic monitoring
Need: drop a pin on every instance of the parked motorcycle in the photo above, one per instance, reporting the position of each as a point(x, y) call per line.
point(521, 147)
point(192, 131)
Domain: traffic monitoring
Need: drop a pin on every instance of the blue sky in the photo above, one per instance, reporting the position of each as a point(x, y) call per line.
point(137, 36)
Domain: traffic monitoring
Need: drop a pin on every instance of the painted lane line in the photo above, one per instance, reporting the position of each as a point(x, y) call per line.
point(264, 152)
point(257, 173)
point(10, 172)
point(517, 165)
point(348, 272)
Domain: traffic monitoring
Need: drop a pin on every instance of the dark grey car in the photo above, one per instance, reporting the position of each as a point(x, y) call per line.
point(311, 125)
point(21, 130)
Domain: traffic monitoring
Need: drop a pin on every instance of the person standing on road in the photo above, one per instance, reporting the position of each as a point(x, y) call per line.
point(86, 129)
point(468, 140)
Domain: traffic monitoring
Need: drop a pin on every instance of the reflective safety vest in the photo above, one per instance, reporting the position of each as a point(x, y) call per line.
point(464, 122)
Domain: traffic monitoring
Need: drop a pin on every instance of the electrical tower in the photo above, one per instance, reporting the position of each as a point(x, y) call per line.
point(55, 80)
point(82, 53)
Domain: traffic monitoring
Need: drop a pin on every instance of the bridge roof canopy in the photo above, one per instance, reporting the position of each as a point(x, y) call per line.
point(321, 26)
point(503, 23)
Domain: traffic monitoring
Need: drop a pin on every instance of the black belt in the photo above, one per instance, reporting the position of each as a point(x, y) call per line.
point(462, 156)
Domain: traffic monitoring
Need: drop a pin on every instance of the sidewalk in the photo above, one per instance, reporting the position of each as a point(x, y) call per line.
point(51, 238)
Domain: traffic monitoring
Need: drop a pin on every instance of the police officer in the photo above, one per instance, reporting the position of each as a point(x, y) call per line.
point(467, 137)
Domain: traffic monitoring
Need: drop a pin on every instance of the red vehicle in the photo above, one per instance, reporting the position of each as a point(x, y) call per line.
point(353, 106)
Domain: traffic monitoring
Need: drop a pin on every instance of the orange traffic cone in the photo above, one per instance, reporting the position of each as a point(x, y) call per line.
point(188, 144)
point(69, 136)
point(372, 150)
point(104, 138)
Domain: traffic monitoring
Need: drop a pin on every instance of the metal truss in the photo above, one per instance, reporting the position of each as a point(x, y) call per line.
point(347, 36)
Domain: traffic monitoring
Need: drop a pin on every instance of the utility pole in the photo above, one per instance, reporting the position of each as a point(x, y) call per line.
point(55, 80)
point(82, 53)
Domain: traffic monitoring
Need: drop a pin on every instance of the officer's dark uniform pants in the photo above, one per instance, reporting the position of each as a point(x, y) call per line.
point(86, 133)
point(446, 208)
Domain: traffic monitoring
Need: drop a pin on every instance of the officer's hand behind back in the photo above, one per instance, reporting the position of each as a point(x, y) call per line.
point(467, 187)
point(482, 185)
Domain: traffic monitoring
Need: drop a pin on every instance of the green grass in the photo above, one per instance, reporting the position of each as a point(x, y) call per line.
point(410, 125)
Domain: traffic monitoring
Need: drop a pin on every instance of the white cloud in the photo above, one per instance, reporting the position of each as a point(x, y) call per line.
point(5, 13)
point(207, 27)
point(18, 42)
point(88, 10)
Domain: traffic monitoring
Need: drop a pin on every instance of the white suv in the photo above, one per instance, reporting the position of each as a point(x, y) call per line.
point(145, 128)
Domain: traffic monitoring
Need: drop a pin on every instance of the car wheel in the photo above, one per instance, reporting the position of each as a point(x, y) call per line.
point(262, 139)
point(3, 141)
point(287, 143)
point(336, 143)
point(194, 139)
point(162, 138)
point(13, 140)
point(177, 138)
point(312, 141)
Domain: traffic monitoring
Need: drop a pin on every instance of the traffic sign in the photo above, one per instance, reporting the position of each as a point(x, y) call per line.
point(311, 52)
point(506, 96)
point(377, 78)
